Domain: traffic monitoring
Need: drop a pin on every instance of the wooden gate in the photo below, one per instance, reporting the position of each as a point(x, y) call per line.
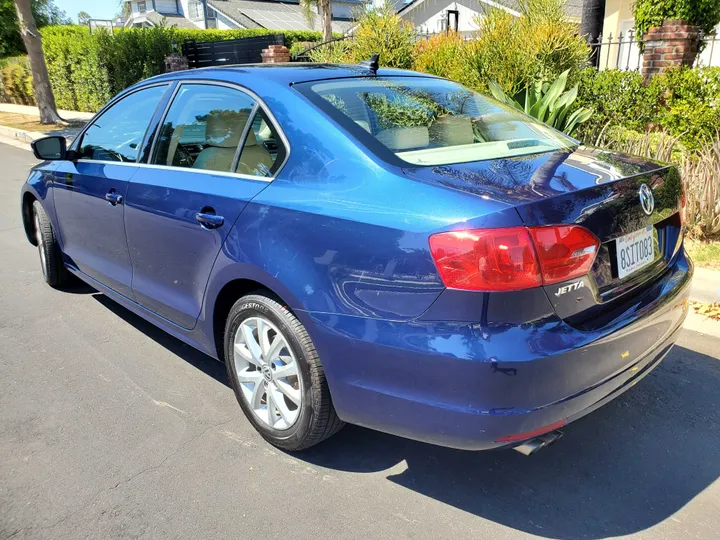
point(233, 51)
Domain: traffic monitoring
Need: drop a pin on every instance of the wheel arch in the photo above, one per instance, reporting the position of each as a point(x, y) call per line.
point(28, 198)
point(230, 292)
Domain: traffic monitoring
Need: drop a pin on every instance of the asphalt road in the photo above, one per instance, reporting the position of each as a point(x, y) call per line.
point(109, 428)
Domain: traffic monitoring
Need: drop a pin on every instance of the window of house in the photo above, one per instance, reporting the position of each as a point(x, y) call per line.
point(118, 133)
point(195, 10)
point(141, 7)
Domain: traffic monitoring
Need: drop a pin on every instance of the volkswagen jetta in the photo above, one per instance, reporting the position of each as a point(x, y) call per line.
point(379, 247)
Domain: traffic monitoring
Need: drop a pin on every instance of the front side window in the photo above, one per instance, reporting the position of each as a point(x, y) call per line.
point(204, 129)
point(427, 121)
point(118, 133)
point(141, 7)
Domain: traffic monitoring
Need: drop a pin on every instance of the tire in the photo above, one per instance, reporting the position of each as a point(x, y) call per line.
point(314, 418)
point(51, 262)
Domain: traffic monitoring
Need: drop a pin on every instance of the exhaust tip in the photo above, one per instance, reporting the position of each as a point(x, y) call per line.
point(532, 446)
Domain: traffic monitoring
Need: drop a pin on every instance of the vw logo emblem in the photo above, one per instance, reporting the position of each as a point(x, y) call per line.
point(646, 199)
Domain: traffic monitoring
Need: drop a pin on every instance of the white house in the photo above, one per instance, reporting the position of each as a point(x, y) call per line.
point(624, 53)
point(276, 15)
point(235, 14)
point(434, 16)
point(180, 13)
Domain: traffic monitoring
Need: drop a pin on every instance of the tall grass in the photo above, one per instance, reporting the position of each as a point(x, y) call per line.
point(699, 169)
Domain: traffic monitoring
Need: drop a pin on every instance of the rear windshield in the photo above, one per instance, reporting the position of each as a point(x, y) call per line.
point(425, 121)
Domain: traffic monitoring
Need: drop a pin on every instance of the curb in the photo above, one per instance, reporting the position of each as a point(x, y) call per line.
point(20, 134)
point(701, 324)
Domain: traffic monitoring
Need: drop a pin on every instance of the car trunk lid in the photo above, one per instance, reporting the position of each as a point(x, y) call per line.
point(598, 190)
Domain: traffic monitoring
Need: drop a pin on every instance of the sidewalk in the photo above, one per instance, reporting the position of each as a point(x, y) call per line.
point(24, 137)
point(705, 286)
point(70, 116)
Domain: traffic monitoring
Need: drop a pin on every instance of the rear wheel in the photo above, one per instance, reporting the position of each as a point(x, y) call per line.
point(276, 374)
point(51, 262)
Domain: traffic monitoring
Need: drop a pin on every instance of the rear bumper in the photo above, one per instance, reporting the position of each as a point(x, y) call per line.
point(468, 385)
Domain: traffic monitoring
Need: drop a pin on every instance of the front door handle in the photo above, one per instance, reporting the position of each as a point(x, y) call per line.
point(208, 220)
point(113, 197)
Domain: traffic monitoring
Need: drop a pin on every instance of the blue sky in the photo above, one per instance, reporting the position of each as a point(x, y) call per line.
point(98, 9)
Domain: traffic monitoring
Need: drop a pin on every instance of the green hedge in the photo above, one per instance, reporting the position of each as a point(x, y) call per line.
point(86, 69)
point(682, 102)
point(16, 81)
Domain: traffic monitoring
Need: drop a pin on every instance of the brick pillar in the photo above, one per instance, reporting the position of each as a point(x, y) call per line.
point(175, 62)
point(675, 43)
point(275, 53)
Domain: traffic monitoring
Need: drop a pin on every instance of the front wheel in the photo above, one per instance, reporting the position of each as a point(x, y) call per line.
point(51, 263)
point(276, 374)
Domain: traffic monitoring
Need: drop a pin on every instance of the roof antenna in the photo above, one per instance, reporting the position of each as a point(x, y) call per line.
point(373, 64)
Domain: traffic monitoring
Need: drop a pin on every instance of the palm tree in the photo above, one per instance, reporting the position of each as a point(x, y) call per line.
point(41, 81)
point(591, 25)
point(325, 10)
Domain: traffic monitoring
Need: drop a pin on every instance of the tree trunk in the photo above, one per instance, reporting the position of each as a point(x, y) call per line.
point(41, 82)
point(591, 25)
point(326, 19)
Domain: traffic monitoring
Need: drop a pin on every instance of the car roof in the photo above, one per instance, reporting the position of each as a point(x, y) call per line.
point(284, 73)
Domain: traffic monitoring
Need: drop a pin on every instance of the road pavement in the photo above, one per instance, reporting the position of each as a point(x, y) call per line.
point(110, 428)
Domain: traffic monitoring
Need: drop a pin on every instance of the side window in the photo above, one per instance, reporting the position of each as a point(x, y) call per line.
point(263, 151)
point(203, 128)
point(118, 133)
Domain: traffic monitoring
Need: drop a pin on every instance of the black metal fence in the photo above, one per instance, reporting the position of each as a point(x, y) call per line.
point(625, 51)
point(233, 51)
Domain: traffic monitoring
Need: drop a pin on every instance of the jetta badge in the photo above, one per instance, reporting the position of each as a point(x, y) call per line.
point(646, 199)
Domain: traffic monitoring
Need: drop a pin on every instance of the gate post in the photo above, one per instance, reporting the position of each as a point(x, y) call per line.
point(275, 53)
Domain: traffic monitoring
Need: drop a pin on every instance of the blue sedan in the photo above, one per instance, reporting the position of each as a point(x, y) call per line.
point(378, 247)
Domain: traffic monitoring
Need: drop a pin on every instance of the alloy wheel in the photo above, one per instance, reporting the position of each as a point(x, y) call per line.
point(268, 373)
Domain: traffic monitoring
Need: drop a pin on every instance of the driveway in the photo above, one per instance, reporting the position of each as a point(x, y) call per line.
point(110, 428)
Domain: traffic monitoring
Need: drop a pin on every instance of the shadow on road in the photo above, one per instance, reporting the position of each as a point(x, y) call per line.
point(195, 358)
point(620, 470)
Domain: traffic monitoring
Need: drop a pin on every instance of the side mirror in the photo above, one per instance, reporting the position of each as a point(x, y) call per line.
point(52, 148)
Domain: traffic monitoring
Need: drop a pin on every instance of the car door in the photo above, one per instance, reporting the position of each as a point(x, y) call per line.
point(205, 165)
point(89, 192)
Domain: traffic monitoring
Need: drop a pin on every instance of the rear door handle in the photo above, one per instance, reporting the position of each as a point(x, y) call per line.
point(209, 221)
point(113, 197)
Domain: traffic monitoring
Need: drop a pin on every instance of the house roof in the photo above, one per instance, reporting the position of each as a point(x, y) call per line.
point(171, 19)
point(272, 15)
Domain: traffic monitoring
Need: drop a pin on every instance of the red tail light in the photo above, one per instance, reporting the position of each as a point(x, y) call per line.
point(514, 258)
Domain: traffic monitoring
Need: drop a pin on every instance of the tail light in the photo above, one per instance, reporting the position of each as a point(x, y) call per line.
point(513, 258)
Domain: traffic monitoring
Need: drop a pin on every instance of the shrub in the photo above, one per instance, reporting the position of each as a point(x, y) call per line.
point(688, 103)
point(16, 81)
point(381, 30)
point(88, 69)
point(446, 55)
point(549, 103)
point(335, 52)
point(702, 13)
point(684, 102)
point(518, 51)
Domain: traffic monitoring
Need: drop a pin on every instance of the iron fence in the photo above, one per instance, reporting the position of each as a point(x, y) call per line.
point(625, 51)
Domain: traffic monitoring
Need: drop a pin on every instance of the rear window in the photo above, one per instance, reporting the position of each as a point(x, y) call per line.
point(425, 121)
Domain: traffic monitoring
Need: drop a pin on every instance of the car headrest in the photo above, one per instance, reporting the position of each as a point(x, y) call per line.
point(224, 128)
point(452, 130)
point(404, 138)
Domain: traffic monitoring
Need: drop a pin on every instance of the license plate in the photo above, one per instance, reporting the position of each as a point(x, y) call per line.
point(634, 251)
